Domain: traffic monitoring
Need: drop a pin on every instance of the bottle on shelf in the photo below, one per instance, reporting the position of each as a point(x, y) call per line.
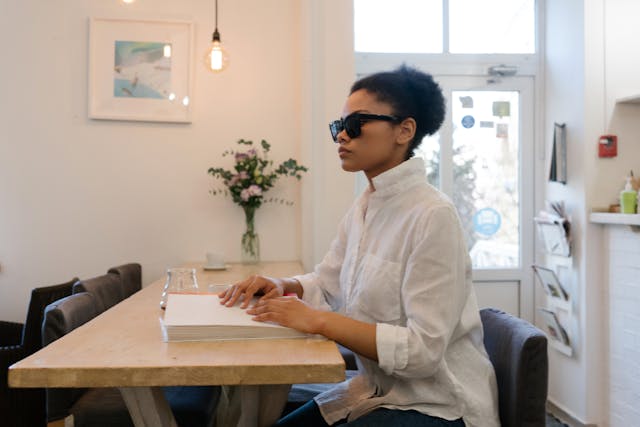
point(628, 198)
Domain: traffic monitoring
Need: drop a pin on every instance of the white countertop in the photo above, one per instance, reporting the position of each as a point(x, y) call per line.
point(614, 218)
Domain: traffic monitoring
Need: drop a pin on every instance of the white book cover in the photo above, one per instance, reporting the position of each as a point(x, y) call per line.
point(201, 317)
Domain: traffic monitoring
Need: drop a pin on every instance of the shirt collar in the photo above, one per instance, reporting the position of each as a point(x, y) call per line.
point(399, 178)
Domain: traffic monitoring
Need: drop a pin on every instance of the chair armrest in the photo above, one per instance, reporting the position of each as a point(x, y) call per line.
point(10, 333)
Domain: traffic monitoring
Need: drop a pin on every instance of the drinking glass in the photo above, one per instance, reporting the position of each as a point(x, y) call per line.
point(179, 280)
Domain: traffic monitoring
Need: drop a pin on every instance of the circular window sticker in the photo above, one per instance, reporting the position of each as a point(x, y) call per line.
point(487, 221)
point(468, 121)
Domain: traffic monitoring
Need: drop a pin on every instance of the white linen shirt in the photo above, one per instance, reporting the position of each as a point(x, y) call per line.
point(400, 261)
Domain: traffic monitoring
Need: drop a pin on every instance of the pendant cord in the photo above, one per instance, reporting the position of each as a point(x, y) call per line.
point(216, 14)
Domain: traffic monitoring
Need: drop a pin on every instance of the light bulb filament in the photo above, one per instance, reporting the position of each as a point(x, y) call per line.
point(216, 57)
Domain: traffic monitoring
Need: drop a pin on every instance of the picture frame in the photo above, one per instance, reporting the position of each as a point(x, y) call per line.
point(549, 281)
point(140, 70)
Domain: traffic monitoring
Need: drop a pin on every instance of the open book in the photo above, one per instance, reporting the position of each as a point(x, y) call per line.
point(201, 317)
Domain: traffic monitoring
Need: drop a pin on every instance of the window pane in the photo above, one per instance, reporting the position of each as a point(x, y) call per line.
point(486, 148)
point(429, 151)
point(399, 26)
point(492, 26)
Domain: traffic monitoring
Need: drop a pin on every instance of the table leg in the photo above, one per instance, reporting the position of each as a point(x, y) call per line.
point(251, 405)
point(148, 407)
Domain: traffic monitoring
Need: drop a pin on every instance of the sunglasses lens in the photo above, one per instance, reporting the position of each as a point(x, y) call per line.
point(352, 126)
point(336, 127)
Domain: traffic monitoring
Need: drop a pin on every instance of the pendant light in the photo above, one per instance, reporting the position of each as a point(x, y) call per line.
point(216, 58)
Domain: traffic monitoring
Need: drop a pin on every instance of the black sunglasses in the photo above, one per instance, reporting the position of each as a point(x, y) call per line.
point(353, 122)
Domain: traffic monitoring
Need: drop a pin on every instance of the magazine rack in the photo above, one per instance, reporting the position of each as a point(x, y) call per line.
point(554, 277)
point(559, 304)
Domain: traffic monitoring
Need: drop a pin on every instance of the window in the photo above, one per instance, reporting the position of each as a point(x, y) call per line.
point(445, 26)
point(491, 26)
point(399, 26)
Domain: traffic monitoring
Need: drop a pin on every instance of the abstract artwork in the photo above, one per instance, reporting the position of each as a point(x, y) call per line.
point(142, 69)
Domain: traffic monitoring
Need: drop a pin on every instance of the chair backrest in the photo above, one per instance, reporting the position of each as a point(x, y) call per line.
point(60, 318)
point(40, 298)
point(518, 352)
point(131, 276)
point(107, 289)
point(18, 406)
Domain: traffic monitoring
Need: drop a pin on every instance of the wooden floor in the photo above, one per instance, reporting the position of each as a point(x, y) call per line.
point(59, 423)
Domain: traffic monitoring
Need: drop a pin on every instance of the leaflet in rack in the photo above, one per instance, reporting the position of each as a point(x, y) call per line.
point(550, 282)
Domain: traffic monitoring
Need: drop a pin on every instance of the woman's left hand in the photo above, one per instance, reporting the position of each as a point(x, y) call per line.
point(288, 311)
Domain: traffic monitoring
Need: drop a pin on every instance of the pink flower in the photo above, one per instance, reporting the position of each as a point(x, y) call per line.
point(252, 153)
point(254, 190)
point(244, 195)
point(244, 175)
point(234, 180)
point(240, 157)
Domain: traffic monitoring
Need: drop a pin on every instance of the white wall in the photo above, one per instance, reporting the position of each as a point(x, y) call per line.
point(621, 68)
point(78, 196)
point(590, 63)
point(328, 70)
point(615, 55)
point(564, 103)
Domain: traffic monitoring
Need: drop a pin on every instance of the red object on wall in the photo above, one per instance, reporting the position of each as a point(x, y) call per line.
point(608, 146)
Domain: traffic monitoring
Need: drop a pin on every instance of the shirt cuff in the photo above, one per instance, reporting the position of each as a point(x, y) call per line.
point(393, 347)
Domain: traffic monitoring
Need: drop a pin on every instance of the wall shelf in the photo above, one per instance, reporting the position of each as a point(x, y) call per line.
point(614, 218)
point(633, 99)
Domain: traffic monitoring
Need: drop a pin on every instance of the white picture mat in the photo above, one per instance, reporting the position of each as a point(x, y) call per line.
point(103, 33)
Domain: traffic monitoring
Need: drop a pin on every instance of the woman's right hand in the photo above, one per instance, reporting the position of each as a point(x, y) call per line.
point(269, 287)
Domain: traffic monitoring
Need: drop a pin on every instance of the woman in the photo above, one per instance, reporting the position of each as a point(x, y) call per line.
point(395, 286)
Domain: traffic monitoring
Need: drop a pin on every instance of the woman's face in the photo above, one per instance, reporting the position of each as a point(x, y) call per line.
point(381, 145)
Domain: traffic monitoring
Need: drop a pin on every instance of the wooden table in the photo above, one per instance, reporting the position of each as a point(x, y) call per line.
point(123, 348)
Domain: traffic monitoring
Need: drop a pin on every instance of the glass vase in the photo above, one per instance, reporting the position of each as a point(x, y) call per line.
point(250, 245)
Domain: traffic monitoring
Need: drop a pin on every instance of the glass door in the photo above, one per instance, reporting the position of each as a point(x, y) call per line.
point(482, 157)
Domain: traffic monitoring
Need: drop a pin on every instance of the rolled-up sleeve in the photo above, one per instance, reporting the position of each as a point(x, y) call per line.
point(392, 346)
point(434, 291)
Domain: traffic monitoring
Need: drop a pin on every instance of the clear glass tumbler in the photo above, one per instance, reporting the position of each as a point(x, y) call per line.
point(179, 280)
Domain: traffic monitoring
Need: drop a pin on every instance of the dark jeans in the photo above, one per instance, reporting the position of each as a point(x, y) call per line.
point(309, 415)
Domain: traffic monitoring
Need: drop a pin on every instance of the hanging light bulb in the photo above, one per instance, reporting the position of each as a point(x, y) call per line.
point(216, 58)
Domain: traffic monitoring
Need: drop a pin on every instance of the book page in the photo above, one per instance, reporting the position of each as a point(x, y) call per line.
point(206, 310)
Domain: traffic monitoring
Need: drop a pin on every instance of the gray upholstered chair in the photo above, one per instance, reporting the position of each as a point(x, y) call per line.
point(108, 290)
point(518, 352)
point(25, 407)
point(131, 276)
point(105, 407)
point(60, 318)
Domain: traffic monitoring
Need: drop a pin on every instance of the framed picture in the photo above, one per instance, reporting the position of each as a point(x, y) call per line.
point(140, 70)
point(550, 282)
